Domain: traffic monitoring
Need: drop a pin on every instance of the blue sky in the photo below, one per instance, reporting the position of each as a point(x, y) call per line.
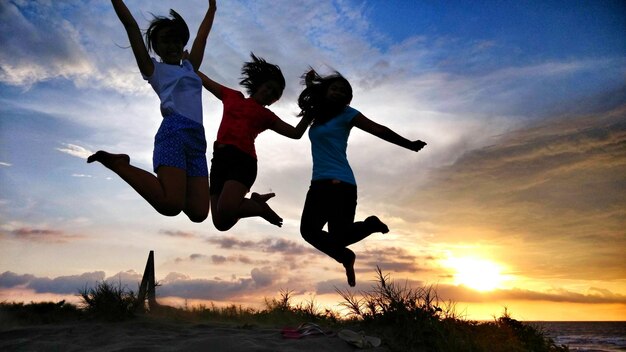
point(522, 104)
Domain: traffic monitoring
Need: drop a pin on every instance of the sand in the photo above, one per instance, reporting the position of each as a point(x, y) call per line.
point(150, 335)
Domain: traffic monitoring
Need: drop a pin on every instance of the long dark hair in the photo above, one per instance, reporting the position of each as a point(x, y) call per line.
point(176, 22)
point(258, 71)
point(312, 101)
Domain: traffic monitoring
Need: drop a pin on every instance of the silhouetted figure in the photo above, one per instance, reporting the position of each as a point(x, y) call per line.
point(332, 196)
point(234, 162)
point(179, 157)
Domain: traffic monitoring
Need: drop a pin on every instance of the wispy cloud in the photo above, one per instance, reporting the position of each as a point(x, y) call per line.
point(594, 296)
point(2, 163)
point(178, 234)
point(75, 150)
point(41, 235)
point(269, 245)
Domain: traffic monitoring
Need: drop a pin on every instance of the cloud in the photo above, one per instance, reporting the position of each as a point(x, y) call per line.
point(65, 284)
point(47, 46)
point(445, 292)
point(553, 191)
point(391, 258)
point(261, 279)
point(5, 164)
point(264, 276)
point(10, 279)
point(41, 235)
point(75, 150)
point(175, 284)
point(70, 284)
point(220, 259)
point(184, 287)
point(267, 245)
point(464, 294)
point(178, 234)
point(205, 289)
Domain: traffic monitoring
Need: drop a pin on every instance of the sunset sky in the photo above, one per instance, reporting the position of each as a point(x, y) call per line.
point(518, 201)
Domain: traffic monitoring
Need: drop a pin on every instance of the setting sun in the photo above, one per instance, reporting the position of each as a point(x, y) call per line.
point(478, 274)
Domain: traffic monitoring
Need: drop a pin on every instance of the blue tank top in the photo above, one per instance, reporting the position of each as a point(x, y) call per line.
point(329, 142)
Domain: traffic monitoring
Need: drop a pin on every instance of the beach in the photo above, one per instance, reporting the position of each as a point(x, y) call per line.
point(156, 335)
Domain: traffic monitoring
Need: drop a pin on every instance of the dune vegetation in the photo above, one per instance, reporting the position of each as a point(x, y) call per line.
point(406, 319)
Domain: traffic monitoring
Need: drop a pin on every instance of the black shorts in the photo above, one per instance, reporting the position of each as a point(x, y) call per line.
point(230, 163)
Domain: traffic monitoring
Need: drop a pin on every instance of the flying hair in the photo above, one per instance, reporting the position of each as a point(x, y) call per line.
point(176, 22)
point(312, 101)
point(258, 71)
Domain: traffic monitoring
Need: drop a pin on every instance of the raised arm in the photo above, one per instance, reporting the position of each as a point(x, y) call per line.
point(199, 44)
point(285, 129)
point(134, 36)
point(386, 133)
point(210, 85)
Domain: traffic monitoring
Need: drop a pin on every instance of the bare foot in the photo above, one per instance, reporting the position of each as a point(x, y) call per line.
point(349, 265)
point(262, 198)
point(268, 214)
point(107, 159)
point(374, 223)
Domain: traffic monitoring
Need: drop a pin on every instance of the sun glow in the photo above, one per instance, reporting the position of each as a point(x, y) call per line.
point(478, 274)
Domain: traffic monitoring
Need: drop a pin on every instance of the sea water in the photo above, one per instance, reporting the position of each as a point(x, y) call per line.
point(587, 336)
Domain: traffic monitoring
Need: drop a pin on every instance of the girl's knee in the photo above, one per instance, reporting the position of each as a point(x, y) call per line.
point(169, 208)
point(223, 224)
point(198, 218)
point(307, 234)
point(167, 211)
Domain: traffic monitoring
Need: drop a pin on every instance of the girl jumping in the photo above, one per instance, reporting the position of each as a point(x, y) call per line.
point(332, 196)
point(179, 157)
point(234, 162)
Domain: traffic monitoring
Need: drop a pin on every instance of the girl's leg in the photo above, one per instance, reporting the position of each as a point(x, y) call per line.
point(341, 223)
point(165, 192)
point(362, 229)
point(231, 205)
point(342, 228)
point(197, 198)
point(317, 210)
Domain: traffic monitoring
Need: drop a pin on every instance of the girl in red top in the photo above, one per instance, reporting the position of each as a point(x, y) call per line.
point(234, 162)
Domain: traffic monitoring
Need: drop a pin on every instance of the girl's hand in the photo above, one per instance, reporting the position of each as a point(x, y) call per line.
point(417, 145)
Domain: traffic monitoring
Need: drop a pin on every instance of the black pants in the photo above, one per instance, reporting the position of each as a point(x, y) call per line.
point(334, 203)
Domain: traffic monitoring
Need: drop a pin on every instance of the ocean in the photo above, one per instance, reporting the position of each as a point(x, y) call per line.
point(582, 336)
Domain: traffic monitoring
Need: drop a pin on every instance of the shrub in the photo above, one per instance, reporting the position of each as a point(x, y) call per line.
point(109, 302)
point(410, 319)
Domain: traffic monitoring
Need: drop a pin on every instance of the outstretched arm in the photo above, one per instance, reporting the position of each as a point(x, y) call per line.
point(210, 85)
point(134, 36)
point(199, 44)
point(285, 129)
point(386, 133)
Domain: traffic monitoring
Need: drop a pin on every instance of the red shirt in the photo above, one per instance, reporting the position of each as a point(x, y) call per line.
point(243, 119)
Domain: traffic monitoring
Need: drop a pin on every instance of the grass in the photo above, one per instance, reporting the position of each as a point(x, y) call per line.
point(406, 319)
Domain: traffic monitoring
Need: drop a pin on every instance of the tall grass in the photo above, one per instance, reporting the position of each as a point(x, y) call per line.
point(416, 320)
point(109, 302)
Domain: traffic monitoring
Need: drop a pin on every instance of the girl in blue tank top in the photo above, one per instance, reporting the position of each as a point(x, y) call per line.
point(332, 196)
